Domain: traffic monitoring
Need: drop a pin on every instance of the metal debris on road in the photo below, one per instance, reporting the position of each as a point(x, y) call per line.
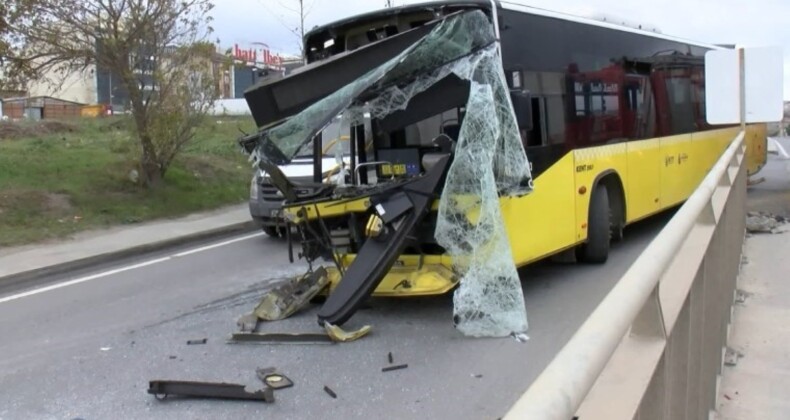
point(248, 322)
point(273, 379)
point(162, 389)
point(200, 341)
point(396, 367)
point(280, 338)
point(291, 296)
point(330, 392)
point(340, 335)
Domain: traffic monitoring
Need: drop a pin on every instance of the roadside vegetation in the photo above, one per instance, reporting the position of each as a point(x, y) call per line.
point(61, 177)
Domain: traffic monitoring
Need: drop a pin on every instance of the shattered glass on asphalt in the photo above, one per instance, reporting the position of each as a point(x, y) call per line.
point(489, 161)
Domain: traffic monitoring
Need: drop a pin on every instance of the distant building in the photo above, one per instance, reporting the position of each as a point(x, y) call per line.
point(40, 107)
point(236, 69)
point(68, 86)
point(253, 64)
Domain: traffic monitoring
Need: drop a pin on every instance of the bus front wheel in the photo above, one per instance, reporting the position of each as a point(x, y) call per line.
point(596, 249)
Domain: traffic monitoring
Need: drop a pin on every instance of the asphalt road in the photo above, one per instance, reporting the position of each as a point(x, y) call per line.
point(87, 350)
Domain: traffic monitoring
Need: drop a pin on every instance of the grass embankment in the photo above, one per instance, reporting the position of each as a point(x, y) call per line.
point(58, 178)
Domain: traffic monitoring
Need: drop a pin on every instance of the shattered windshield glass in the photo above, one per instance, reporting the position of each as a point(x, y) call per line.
point(488, 161)
point(455, 37)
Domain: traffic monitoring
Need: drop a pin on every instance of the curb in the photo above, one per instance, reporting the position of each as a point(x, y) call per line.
point(22, 277)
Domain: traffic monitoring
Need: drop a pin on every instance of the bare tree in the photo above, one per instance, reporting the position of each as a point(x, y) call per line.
point(10, 76)
point(301, 11)
point(155, 50)
point(389, 3)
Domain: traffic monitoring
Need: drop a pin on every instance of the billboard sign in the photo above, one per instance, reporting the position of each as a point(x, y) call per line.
point(261, 55)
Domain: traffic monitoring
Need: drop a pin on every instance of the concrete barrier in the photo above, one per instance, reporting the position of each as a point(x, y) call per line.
point(654, 347)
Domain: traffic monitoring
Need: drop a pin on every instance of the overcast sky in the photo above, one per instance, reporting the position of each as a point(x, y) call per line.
point(743, 22)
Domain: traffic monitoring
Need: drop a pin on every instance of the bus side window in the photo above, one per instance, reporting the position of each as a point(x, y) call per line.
point(537, 135)
point(639, 97)
point(681, 107)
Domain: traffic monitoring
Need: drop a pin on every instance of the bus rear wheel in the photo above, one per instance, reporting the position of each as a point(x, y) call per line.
point(596, 249)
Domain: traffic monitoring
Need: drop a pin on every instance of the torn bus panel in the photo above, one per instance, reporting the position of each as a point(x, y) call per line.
point(452, 39)
point(432, 128)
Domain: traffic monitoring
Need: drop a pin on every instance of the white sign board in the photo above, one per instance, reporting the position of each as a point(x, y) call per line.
point(763, 85)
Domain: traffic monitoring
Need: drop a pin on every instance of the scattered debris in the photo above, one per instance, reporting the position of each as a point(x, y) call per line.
point(173, 357)
point(248, 322)
point(329, 391)
point(273, 379)
point(105, 348)
point(280, 338)
point(520, 337)
point(396, 367)
point(134, 176)
point(389, 357)
point(727, 397)
point(763, 222)
point(338, 334)
point(162, 389)
point(751, 182)
point(198, 341)
point(477, 375)
point(741, 296)
point(284, 300)
point(731, 356)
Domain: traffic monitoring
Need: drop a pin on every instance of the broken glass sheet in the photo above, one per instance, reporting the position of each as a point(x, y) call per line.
point(455, 37)
point(489, 158)
point(489, 161)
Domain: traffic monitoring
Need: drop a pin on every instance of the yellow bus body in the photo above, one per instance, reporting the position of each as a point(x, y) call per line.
point(655, 175)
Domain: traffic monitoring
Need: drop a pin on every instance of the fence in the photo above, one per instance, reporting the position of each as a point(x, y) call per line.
point(653, 348)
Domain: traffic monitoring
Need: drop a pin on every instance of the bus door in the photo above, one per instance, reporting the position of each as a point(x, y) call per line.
point(644, 156)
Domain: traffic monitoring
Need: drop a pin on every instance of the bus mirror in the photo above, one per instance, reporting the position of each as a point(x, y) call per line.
point(522, 105)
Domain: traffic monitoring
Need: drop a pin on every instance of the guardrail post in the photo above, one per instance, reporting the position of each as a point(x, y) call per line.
point(650, 321)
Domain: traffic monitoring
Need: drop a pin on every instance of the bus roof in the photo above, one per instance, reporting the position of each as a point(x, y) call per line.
point(573, 18)
point(507, 5)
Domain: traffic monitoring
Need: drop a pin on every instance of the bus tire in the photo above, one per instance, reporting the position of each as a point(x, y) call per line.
point(617, 215)
point(596, 249)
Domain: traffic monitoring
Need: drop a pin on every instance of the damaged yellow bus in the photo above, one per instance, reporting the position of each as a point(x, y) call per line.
point(573, 128)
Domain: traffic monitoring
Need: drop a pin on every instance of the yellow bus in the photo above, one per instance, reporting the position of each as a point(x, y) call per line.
point(610, 118)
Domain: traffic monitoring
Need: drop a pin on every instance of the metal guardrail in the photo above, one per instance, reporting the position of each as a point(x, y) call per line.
point(653, 348)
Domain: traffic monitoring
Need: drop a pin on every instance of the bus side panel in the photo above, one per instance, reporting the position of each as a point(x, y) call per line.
point(756, 148)
point(542, 222)
point(644, 173)
point(678, 178)
point(707, 147)
point(589, 163)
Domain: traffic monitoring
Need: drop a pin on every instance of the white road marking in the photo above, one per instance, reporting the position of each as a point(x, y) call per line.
point(81, 280)
point(122, 269)
point(206, 248)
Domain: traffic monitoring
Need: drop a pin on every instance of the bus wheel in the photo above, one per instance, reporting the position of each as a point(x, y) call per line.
point(596, 249)
point(617, 216)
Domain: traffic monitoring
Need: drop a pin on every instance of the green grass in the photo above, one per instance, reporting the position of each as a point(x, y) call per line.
point(53, 184)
